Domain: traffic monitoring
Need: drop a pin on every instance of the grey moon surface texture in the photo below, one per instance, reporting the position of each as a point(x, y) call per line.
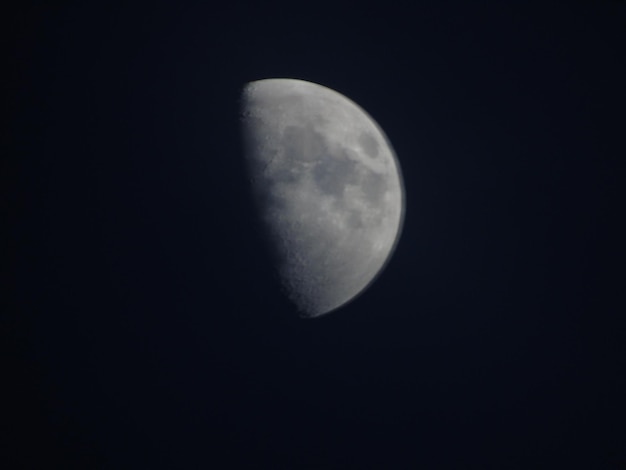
point(327, 186)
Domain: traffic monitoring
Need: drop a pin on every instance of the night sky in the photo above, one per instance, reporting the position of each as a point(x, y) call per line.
point(141, 325)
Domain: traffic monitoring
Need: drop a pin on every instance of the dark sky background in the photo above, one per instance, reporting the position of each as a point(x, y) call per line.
point(142, 327)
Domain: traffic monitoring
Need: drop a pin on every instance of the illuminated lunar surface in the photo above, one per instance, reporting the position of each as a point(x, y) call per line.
point(327, 186)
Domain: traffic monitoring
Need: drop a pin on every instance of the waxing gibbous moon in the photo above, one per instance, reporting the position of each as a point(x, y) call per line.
point(327, 186)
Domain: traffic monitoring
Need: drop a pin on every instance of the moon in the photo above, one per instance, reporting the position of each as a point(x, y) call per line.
point(327, 186)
